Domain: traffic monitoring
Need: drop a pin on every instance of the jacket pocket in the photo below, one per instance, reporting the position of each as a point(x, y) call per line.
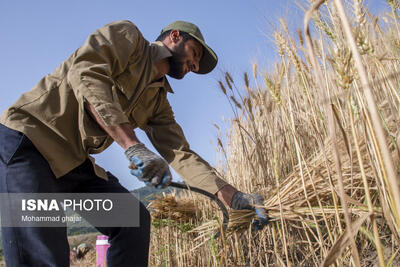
point(139, 115)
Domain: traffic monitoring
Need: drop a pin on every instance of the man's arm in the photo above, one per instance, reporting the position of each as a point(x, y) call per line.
point(226, 193)
point(150, 167)
point(168, 138)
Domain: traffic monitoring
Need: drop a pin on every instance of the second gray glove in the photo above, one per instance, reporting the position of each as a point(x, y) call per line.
point(243, 201)
point(151, 168)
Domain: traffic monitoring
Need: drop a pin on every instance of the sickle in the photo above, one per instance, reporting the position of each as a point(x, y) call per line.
point(211, 196)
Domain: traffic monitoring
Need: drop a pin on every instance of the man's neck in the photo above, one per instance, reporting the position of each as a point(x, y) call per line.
point(162, 67)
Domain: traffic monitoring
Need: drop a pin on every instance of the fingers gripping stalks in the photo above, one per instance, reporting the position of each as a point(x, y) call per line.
point(243, 201)
point(148, 166)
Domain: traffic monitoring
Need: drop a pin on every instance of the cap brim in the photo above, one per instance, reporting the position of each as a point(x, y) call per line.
point(209, 59)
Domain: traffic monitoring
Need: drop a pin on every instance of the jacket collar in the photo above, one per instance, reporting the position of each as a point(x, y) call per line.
point(167, 86)
point(158, 52)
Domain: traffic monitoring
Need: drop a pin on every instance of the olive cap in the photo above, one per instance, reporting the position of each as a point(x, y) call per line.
point(209, 59)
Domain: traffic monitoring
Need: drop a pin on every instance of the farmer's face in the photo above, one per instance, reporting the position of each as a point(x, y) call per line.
point(185, 57)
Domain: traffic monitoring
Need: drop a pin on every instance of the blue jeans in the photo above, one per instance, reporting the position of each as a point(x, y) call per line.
point(24, 170)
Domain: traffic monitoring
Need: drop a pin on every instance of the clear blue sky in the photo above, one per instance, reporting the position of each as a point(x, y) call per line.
point(36, 36)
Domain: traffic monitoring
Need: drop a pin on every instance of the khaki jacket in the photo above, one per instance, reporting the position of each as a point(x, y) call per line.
point(113, 71)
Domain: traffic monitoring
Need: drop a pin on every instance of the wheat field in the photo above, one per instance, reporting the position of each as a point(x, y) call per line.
point(318, 137)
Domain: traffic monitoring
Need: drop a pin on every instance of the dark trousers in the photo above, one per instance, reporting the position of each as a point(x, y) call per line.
point(24, 170)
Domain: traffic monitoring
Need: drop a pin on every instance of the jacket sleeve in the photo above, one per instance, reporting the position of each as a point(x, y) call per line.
point(104, 55)
point(168, 138)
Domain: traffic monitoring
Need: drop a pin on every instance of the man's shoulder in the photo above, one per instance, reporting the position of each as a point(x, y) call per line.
point(121, 23)
point(125, 26)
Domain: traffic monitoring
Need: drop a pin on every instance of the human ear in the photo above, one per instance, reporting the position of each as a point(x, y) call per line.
point(175, 36)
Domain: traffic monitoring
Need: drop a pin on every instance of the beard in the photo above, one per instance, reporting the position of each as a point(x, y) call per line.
point(176, 62)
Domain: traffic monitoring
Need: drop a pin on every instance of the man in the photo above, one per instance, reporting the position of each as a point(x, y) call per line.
point(108, 87)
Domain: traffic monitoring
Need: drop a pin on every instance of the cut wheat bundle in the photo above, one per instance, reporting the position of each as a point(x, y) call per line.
point(169, 206)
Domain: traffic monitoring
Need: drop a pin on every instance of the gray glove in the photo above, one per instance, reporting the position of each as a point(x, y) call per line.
point(243, 201)
point(150, 168)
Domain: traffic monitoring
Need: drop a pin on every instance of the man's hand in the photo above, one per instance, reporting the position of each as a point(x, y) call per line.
point(151, 168)
point(243, 201)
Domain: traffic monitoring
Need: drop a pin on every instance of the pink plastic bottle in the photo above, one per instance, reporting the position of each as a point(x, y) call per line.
point(101, 250)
